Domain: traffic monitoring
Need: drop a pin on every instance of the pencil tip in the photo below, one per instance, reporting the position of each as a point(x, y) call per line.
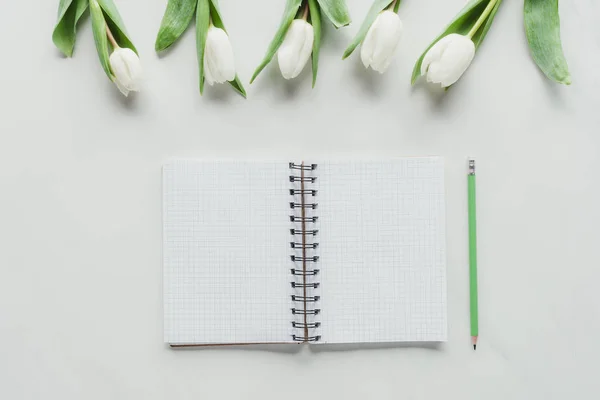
point(474, 347)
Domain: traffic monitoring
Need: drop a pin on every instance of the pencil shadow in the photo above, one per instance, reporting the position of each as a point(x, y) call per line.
point(374, 346)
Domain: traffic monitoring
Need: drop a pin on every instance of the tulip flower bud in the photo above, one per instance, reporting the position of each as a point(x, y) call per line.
point(219, 62)
point(127, 70)
point(448, 59)
point(296, 48)
point(381, 41)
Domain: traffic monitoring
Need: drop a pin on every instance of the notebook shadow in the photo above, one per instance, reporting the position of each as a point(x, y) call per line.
point(270, 348)
point(375, 346)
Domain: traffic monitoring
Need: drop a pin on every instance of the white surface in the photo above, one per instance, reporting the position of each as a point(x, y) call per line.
point(382, 248)
point(80, 206)
point(226, 252)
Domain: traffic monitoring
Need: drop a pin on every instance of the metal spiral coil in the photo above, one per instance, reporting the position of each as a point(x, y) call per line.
point(304, 283)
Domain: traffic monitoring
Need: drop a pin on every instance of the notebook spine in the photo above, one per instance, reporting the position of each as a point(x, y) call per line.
point(304, 246)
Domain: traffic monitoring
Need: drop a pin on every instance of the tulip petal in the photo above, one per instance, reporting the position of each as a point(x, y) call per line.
point(127, 70)
point(542, 25)
point(289, 51)
point(305, 50)
point(448, 59)
point(434, 53)
point(218, 56)
point(368, 46)
point(207, 72)
point(291, 9)
point(177, 18)
point(69, 13)
point(461, 24)
point(389, 32)
point(377, 7)
point(122, 88)
point(295, 49)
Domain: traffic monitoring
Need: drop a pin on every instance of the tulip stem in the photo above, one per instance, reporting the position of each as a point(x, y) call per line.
point(393, 6)
point(305, 13)
point(482, 19)
point(111, 38)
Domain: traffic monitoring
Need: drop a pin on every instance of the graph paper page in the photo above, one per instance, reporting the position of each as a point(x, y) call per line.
point(382, 248)
point(226, 252)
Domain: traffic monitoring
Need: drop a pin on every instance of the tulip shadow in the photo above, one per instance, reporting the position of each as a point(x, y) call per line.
point(554, 90)
point(222, 93)
point(129, 103)
point(371, 82)
point(438, 95)
point(287, 88)
point(293, 86)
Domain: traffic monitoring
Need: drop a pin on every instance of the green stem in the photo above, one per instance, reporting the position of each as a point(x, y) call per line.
point(482, 19)
point(392, 5)
point(111, 38)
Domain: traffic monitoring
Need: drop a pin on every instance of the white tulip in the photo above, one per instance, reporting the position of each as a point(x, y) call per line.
point(219, 63)
point(448, 59)
point(381, 41)
point(127, 69)
point(296, 48)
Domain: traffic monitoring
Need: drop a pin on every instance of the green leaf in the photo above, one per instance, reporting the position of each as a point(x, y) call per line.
point(237, 85)
point(461, 24)
point(336, 11)
point(99, 29)
point(64, 35)
point(315, 20)
point(542, 26)
point(217, 19)
point(376, 9)
point(202, 24)
point(177, 18)
point(116, 24)
point(291, 9)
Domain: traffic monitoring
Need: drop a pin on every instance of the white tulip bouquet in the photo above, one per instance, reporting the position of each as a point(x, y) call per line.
point(299, 35)
point(215, 53)
point(299, 38)
point(450, 54)
point(118, 56)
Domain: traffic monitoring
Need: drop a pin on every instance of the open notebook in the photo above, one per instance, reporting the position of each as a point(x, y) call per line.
point(324, 252)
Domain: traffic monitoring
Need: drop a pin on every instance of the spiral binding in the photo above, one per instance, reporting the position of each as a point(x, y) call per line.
point(304, 283)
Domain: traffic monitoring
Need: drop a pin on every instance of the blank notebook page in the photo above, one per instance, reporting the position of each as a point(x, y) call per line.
point(226, 242)
point(382, 248)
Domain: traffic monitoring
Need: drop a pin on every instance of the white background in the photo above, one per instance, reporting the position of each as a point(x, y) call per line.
point(80, 206)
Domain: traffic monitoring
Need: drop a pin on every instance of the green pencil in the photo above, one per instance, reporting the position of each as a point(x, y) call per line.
point(473, 254)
